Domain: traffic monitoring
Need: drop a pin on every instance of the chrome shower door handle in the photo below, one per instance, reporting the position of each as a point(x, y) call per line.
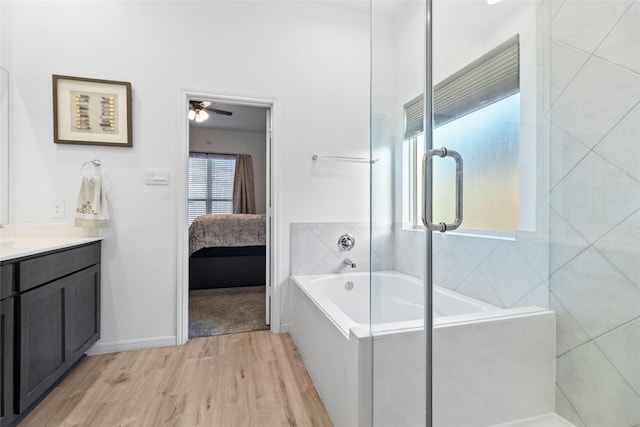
point(427, 185)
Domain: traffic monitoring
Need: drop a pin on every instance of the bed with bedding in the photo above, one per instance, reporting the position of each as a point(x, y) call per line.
point(227, 251)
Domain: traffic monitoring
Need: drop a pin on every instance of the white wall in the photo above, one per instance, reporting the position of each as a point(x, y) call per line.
point(312, 57)
point(207, 140)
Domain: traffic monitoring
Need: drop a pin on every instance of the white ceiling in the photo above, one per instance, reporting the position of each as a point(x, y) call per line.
point(244, 118)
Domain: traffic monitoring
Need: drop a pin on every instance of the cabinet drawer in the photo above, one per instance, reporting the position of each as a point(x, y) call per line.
point(37, 271)
point(6, 281)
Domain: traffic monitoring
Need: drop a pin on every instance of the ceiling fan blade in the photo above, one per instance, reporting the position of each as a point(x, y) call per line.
point(222, 112)
point(205, 105)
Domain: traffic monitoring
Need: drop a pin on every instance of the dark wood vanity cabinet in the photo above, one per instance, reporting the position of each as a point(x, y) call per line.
point(57, 319)
point(7, 413)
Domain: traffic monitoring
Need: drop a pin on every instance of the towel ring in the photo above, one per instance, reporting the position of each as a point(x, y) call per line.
point(96, 163)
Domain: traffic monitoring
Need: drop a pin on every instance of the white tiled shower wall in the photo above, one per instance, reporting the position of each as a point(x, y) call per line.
point(595, 209)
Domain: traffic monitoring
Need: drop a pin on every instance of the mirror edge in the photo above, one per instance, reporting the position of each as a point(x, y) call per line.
point(4, 146)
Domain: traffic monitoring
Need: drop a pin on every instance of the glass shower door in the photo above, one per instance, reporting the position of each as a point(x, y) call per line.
point(460, 215)
point(398, 363)
point(493, 336)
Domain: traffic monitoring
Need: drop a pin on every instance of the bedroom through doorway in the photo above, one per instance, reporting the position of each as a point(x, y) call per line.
point(228, 194)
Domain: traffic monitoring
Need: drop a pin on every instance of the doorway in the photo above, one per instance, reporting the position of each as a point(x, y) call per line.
point(225, 272)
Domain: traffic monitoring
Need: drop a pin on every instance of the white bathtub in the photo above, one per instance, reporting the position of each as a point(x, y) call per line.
point(490, 365)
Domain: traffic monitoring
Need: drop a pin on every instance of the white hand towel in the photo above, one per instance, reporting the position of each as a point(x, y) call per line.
point(92, 210)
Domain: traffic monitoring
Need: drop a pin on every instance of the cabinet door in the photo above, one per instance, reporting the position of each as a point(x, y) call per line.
point(7, 413)
point(83, 322)
point(6, 281)
point(43, 354)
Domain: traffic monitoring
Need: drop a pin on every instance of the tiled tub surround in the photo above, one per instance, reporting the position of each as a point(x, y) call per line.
point(506, 272)
point(314, 248)
point(330, 327)
point(595, 209)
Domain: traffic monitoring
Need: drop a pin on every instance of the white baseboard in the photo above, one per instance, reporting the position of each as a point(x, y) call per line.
point(285, 328)
point(129, 345)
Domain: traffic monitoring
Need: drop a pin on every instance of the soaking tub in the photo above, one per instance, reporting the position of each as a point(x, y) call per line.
point(490, 365)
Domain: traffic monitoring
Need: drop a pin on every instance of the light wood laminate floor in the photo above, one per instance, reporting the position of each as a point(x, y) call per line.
point(246, 379)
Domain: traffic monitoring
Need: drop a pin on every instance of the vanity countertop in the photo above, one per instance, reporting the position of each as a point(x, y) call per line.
point(18, 247)
point(20, 240)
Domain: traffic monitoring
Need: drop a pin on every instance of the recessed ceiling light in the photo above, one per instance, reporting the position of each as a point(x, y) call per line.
point(493, 1)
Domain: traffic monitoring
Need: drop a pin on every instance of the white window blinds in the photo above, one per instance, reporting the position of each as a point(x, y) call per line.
point(210, 184)
point(488, 79)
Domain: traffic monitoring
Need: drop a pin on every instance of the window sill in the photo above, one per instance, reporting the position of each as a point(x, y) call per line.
point(486, 234)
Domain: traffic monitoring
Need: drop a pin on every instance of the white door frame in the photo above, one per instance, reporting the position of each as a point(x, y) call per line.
point(182, 241)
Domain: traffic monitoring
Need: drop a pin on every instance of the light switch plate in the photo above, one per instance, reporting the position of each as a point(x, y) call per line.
point(156, 176)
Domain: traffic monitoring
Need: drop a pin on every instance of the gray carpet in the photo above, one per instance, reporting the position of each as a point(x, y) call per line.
point(226, 311)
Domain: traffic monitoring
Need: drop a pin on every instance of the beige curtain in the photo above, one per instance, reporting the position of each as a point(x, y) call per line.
point(244, 197)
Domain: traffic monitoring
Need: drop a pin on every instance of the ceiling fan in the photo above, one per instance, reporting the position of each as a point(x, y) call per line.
point(198, 111)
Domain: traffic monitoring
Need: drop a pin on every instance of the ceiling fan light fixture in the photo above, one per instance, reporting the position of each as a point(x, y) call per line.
point(198, 111)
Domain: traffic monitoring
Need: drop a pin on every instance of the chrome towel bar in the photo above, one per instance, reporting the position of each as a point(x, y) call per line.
point(345, 159)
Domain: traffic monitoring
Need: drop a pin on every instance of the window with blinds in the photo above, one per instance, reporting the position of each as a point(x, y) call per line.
point(487, 80)
point(476, 111)
point(210, 184)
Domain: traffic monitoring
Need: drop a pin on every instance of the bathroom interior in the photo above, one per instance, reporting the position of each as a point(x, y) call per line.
point(453, 192)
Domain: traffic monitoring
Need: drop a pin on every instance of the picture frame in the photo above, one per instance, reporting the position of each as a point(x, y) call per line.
point(91, 111)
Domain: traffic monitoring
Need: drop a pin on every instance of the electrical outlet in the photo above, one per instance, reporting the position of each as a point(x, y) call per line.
point(57, 209)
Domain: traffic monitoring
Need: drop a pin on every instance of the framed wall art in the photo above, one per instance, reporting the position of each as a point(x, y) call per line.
point(91, 111)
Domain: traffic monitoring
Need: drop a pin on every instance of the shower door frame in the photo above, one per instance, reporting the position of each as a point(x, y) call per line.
point(428, 237)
